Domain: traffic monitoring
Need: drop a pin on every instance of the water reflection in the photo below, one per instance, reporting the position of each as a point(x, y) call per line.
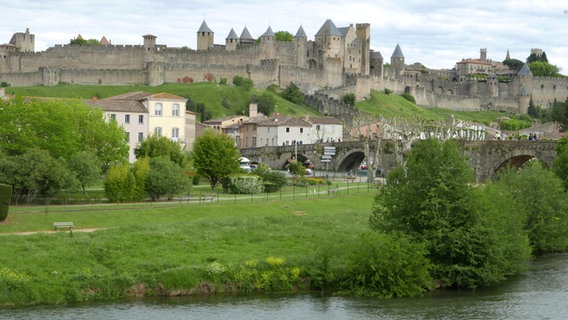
point(541, 293)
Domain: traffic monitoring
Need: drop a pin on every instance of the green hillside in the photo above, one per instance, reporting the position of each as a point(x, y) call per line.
point(224, 100)
point(213, 96)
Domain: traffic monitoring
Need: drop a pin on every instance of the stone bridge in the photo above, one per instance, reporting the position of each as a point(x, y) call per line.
point(485, 157)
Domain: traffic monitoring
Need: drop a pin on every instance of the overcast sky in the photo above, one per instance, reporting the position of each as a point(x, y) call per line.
point(435, 33)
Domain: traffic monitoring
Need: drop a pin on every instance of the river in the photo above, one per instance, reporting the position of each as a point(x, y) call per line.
point(540, 293)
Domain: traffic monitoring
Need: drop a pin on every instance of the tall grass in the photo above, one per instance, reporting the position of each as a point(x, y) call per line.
point(161, 250)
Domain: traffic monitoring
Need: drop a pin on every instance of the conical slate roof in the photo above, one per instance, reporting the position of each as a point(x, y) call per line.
point(328, 29)
point(245, 35)
point(525, 71)
point(301, 33)
point(397, 52)
point(204, 27)
point(232, 35)
point(376, 55)
point(269, 33)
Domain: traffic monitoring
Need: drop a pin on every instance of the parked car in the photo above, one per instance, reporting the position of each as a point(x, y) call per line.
point(363, 166)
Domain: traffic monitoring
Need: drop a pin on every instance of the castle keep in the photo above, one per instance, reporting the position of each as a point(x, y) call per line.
point(336, 62)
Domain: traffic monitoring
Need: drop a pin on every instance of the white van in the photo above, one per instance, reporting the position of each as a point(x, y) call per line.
point(244, 164)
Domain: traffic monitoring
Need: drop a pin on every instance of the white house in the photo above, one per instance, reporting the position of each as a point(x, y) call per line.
point(324, 129)
point(282, 130)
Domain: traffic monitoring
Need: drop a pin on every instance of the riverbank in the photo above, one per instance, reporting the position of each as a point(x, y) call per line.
point(181, 249)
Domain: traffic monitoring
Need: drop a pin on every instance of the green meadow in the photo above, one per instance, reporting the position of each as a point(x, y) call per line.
point(177, 248)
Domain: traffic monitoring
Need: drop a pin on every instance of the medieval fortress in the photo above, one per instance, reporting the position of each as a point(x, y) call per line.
point(336, 62)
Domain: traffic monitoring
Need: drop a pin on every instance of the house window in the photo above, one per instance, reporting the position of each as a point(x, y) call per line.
point(127, 136)
point(158, 131)
point(175, 134)
point(113, 117)
point(140, 136)
point(140, 119)
point(301, 130)
point(318, 128)
point(126, 118)
point(158, 109)
point(287, 129)
point(175, 110)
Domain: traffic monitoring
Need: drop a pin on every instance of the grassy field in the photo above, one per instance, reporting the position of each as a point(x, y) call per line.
point(170, 247)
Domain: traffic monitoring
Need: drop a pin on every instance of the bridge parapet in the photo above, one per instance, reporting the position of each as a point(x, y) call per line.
point(485, 157)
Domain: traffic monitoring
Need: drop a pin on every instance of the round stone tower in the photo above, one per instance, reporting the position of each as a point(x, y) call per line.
point(397, 62)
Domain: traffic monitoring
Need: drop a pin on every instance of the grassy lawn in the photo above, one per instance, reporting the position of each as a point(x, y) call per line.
point(168, 245)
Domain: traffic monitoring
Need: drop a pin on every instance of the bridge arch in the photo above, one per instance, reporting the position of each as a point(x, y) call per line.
point(350, 160)
point(517, 159)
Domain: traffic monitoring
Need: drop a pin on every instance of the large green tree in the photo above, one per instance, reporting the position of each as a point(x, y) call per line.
point(165, 179)
point(215, 156)
point(430, 199)
point(560, 164)
point(544, 69)
point(62, 127)
point(543, 205)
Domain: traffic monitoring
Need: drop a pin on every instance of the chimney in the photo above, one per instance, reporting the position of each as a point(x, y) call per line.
point(253, 110)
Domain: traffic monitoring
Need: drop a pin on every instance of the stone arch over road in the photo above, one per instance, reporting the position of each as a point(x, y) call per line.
point(485, 157)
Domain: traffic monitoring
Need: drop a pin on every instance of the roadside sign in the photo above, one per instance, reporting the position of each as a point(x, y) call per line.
point(325, 160)
point(326, 156)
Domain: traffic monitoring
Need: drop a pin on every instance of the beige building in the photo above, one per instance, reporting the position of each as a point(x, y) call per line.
point(165, 116)
point(131, 115)
point(221, 124)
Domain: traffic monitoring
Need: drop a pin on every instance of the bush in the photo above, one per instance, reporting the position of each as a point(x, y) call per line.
point(274, 181)
point(245, 183)
point(408, 97)
point(349, 99)
point(387, 266)
point(5, 196)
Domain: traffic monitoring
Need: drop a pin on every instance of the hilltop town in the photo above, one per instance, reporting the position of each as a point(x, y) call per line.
point(338, 61)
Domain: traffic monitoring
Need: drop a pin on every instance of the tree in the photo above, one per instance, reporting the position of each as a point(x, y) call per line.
point(533, 57)
point(560, 113)
point(86, 167)
point(155, 146)
point(165, 178)
point(514, 64)
point(429, 199)
point(120, 184)
point(293, 94)
point(245, 83)
point(544, 69)
point(215, 156)
point(37, 173)
point(544, 202)
point(283, 36)
point(5, 198)
point(265, 103)
point(62, 127)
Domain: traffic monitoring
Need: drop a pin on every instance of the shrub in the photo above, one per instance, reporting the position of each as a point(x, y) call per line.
point(408, 97)
point(5, 196)
point(274, 181)
point(349, 99)
point(387, 266)
point(315, 181)
point(245, 183)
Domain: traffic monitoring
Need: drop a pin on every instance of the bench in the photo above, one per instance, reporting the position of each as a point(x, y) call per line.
point(350, 178)
point(63, 225)
point(208, 197)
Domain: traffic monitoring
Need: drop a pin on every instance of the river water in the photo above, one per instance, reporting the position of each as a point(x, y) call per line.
point(540, 293)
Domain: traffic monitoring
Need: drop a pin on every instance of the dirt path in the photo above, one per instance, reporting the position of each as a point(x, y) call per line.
point(24, 233)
